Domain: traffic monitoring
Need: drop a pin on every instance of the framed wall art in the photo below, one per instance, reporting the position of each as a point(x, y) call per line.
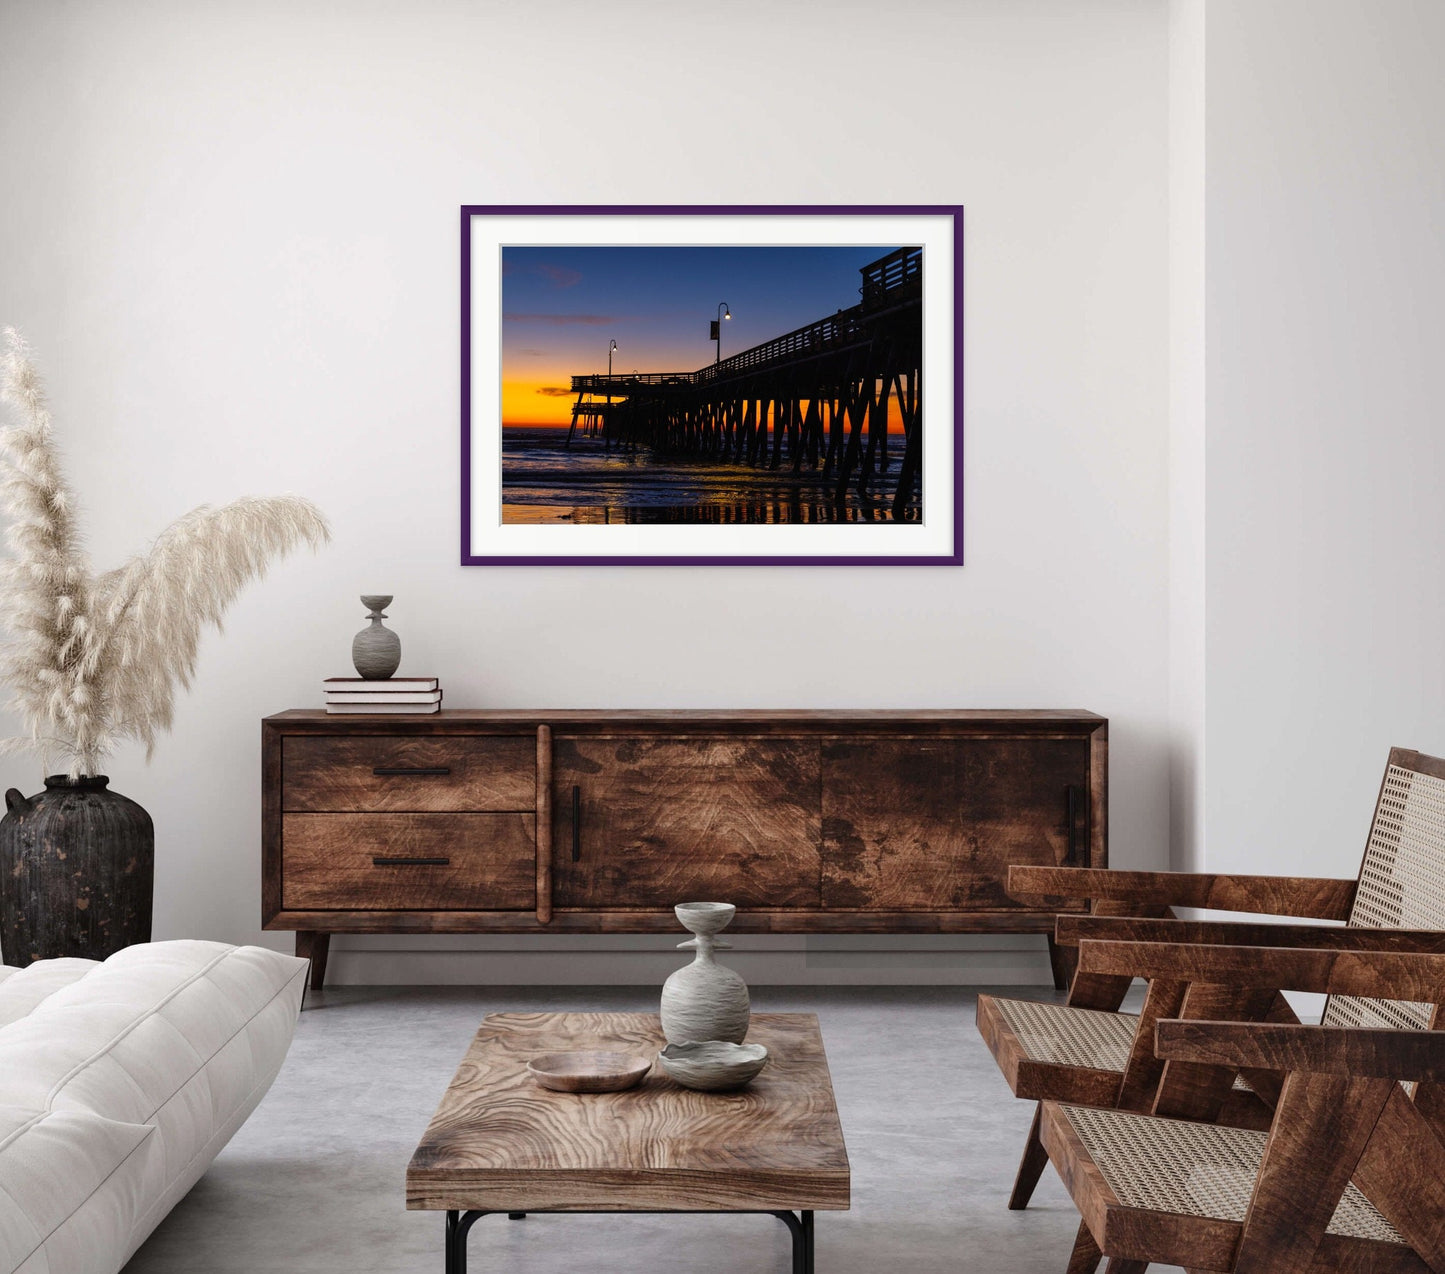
point(712, 385)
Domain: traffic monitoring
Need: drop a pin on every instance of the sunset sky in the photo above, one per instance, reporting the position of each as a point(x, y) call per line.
point(562, 306)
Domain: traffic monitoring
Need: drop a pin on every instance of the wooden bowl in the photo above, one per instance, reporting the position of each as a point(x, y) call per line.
point(713, 1065)
point(589, 1072)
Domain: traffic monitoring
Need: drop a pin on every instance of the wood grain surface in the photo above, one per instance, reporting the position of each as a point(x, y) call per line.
point(669, 820)
point(1060, 722)
point(500, 1142)
point(1310, 897)
point(661, 920)
point(327, 861)
point(337, 772)
point(933, 824)
point(1333, 1050)
point(1071, 930)
point(543, 788)
point(1388, 975)
point(1196, 1090)
point(1402, 1172)
point(685, 804)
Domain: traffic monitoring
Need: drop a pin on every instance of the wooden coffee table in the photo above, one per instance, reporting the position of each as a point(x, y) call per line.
point(500, 1143)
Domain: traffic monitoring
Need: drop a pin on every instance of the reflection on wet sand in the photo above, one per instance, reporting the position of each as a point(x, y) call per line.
point(544, 481)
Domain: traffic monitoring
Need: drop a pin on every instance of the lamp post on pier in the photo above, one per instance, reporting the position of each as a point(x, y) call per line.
point(722, 313)
point(611, 349)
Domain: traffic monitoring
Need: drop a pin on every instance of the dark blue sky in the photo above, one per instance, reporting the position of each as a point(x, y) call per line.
point(561, 306)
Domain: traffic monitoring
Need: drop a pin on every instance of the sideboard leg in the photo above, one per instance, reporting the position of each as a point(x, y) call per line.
point(314, 946)
point(1063, 961)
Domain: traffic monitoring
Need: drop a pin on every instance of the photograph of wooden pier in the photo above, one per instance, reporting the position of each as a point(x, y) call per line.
point(712, 385)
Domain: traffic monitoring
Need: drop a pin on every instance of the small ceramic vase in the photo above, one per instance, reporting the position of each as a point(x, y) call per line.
point(376, 650)
point(704, 1000)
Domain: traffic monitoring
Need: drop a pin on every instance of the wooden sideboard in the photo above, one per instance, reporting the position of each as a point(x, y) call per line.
point(598, 822)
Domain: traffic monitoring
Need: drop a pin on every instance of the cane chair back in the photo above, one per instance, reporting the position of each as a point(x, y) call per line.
point(1402, 880)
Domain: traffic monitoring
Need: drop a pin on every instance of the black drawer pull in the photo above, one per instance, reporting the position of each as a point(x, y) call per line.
point(410, 862)
point(386, 771)
point(1071, 857)
point(576, 824)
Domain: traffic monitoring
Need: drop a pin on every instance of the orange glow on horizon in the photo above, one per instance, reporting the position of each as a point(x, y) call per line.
point(534, 402)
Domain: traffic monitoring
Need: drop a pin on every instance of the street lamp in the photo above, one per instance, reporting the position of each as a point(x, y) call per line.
point(723, 313)
point(611, 349)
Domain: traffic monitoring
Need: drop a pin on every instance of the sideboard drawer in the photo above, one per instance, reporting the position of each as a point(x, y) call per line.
point(408, 862)
point(482, 772)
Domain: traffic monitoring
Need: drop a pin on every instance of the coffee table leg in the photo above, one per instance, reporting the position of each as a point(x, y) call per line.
point(801, 1228)
point(458, 1225)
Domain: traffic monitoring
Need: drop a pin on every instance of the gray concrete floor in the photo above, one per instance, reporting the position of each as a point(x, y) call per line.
point(314, 1181)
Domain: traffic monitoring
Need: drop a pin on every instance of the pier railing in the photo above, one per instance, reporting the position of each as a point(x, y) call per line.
point(887, 275)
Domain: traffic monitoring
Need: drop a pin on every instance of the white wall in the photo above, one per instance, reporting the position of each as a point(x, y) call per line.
point(229, 230)
point(1187, 114)
point(1325, 155)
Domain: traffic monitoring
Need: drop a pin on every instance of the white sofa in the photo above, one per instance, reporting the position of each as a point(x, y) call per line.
point(120, 1081)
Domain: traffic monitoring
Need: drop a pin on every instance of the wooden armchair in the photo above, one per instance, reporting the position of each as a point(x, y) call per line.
point(1350, 1174)
point(1086, 1052)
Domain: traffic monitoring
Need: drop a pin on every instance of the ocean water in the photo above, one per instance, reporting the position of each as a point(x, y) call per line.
point(545, 481)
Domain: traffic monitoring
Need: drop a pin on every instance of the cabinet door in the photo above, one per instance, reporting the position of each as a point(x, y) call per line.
point(932, 824)
point(645, 822)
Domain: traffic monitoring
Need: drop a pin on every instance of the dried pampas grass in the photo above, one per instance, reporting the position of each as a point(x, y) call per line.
point(97, 660)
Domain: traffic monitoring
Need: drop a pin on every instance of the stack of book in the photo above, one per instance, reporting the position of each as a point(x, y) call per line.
point(395, 694)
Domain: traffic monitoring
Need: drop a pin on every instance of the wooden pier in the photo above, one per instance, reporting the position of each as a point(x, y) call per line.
point(813, 399)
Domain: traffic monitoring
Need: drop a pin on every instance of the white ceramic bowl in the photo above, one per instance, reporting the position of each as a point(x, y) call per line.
point(711, 1065)
point(705, 917)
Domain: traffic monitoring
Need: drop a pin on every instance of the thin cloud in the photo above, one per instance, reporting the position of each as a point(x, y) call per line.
point(559, 276)
point(554, 391)
point(560, 320)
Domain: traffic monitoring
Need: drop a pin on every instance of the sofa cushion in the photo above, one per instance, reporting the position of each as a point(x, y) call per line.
point(21, 990)
point(186, 1036)
point(70, 1190)
point(129, 1035)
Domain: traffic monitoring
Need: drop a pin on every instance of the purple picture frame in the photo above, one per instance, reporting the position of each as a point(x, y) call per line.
point(468, 211)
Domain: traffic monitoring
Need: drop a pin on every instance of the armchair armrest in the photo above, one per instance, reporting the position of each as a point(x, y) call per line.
point(1316, 898)
point(1327, 1050)
point(1070, 930)
point(1386, 975)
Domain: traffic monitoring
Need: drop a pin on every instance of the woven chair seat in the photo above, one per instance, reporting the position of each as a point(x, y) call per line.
point(1071, 1037)
point(1066, 1036)
point(1198, 1170)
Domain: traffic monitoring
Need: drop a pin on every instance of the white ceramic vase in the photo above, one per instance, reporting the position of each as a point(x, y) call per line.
point(705, 1000)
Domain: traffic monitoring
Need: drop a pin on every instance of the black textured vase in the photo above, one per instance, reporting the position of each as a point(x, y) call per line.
point(77, 871)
